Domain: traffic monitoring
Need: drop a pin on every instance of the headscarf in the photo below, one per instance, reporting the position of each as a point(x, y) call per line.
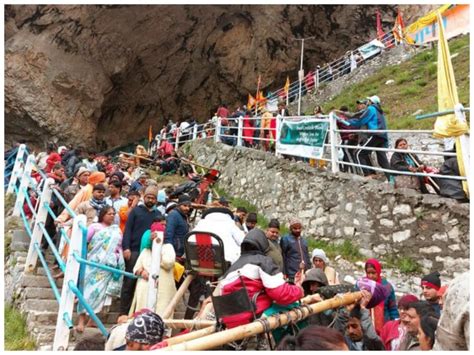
point(432, 280)
point(96, 177)
point(146, 240)
point(377, 266)
point(148, 328)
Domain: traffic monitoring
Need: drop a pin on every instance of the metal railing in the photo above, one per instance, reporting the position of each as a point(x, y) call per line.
point(240, 135)
point(74, 266)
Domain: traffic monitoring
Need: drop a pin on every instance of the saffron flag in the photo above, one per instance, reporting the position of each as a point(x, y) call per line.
point(399, 27)
point(150, 134)
point(287, 85)
point(449, 125)
point(251, 101)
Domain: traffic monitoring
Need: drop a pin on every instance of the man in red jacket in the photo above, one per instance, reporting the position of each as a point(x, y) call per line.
point(259, 273)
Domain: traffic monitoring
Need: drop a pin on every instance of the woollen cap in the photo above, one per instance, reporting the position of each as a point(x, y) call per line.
point(151, 190)
point(432, 280)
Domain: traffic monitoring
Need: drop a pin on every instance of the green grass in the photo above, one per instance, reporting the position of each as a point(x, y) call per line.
point(415, 87)
point(405, 265)
point(16, 333)
point(347, 250)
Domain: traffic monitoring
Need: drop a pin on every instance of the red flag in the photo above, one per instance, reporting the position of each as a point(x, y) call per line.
point(380, 32)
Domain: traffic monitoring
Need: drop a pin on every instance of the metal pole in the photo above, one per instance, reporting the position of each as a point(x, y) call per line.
point(218, 130)
point(24, 183)
point(41, 216)
point(240, 131)
point(16, 168)
point(66, 306)
point(332, 137)
point(300, 77)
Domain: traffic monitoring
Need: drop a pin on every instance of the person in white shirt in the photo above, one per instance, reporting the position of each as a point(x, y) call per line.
point(115, 200)
point(220, 221)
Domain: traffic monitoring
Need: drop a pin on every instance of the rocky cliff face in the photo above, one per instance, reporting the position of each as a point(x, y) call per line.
point(99, 75)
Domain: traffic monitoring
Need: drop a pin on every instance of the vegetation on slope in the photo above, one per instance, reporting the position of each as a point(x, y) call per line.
point(415, 87)
point(16, 333)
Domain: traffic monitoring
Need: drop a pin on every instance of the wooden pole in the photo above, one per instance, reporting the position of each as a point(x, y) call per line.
point(136, 156)
point(195, 164)
point(178, 295)
point(184, 337)
point(189, 323)
point(245, 331)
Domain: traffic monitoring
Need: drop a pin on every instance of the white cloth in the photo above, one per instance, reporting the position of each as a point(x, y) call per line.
point(224, 226)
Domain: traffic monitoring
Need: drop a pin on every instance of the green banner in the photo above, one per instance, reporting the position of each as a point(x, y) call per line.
point(303, 138)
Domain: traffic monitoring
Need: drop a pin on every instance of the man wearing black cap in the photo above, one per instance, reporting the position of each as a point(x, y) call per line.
point(430, 284)
point(177, 225)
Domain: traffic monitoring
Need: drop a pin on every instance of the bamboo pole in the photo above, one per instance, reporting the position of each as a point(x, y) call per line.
point(184, 337)
point(245, 331)
point(195, 164)
point(178, 295)
point(188, 323)
point(136, 156)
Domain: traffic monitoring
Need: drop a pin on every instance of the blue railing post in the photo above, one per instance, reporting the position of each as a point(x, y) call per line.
point(19, 163)
point(24, 183)
point(41, 216)
point(66, 306)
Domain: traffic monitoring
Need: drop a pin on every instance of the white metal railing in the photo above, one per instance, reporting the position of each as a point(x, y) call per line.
point(331, 149)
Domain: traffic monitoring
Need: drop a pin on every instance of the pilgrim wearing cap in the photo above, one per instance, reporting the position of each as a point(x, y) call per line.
point(319, 260)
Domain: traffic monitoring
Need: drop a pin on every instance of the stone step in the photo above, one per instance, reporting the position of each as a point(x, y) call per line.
point(20, 235)
point(30, 280)
point(50, 317)
point(39, 293)
point(44, 335)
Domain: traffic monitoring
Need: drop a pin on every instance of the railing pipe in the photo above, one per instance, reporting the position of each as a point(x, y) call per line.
point(420, 152)
point(442, 113)
point(104, 267)
point(88, 308)
point(51, 280)
point(28, 202)
point(66, 305)
point(24, 182)
point(63, 201)
point(41, 216)
point(218, 130)
point(398, 172)
point(53, 247)
point(19, 163)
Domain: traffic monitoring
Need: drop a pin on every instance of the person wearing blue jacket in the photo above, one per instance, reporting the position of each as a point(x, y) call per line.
point(373, 117)
point(177, 225)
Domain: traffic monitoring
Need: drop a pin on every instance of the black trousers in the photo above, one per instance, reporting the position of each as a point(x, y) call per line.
point(128, 286)
point(363, 156)
point(197, 288)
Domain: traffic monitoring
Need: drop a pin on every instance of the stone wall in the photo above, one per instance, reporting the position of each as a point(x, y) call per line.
point(381, 220)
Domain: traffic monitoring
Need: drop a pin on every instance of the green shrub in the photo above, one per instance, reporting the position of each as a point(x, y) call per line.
point(347, 250)
point(410, 91)
point(403, 77)
point(431, 70)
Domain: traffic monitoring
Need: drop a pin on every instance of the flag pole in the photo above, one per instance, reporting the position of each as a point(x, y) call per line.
point(256, 97)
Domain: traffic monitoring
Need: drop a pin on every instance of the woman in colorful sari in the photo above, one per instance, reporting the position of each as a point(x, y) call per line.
point(105, 247)
point(387, 310)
